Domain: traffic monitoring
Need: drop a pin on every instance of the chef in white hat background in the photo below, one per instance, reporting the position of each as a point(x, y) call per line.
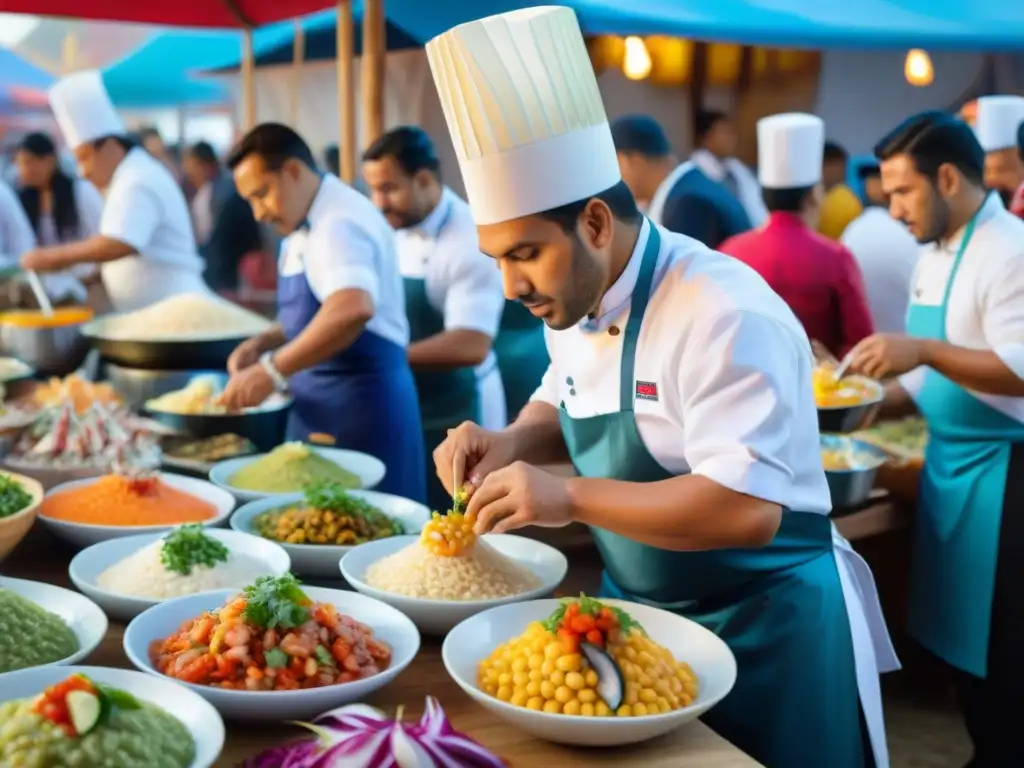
point(996, 125)
point(680, 388)
point(145, 247)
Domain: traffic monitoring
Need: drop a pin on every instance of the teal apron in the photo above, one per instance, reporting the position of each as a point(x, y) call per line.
point(522, 355)
point(961, 502)
point(447, 398)
point(780, 608)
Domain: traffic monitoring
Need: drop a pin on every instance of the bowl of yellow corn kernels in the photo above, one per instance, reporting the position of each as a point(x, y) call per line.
point(447, 573)
point(589, 672)
point(318, 529)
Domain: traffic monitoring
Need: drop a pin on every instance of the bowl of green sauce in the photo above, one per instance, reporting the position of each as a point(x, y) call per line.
point(291, 467)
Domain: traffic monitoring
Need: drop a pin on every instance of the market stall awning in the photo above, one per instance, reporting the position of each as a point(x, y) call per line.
point(178, 13)
point(22, 85)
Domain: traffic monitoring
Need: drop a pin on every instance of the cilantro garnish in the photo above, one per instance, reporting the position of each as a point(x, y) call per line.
point(276, 602)
point(328, 496)
point(460, 500)
point(591, 607)
point(186, 547)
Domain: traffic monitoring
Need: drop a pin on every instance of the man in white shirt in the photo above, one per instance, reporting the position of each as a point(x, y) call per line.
point(996, 125)
point(715, 137)
point(145, 246)
point(339, 344)
point(886, 253)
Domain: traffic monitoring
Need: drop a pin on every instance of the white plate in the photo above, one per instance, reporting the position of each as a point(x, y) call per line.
point(387, 624)
point(476, 638)
point(369, 469)
point(437, 617)
point(321, 560)
point(88, 564)
point(201, 720)
point(82, 535)
point(80, 613)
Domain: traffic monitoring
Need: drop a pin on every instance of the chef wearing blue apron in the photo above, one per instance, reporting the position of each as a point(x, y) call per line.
point(339, 345)
point(453, 293)
point(674, 367)
point(961, 365)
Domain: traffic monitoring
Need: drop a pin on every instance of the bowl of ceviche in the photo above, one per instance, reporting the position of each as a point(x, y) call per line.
point(846, 404)
point(277, 650)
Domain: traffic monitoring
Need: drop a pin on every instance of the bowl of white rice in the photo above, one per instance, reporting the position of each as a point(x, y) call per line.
point(126, 576)
point(439, 592)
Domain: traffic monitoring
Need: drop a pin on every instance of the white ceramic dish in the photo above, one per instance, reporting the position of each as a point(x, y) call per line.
point(201, 719)
point(388, 624)
point(437, 617)
point(81, 614)
point(476, 638)
point(82, 535)
point(369, 469)
point(88, 564)
point(321, 560)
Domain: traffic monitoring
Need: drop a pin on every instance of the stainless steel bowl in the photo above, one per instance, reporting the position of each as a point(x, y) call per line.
point(50, 351)
point(842, 419)
point(137, 385)
point(850, 488)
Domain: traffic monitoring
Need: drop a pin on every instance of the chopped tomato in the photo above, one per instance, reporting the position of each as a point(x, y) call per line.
point(581, 624)
point(594, 637)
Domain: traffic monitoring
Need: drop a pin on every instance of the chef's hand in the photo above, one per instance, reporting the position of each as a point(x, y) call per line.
point(247, 389)
point(517, 496)
point(245, 354)
point(478, 450)
point(40, 260)
point(886, 354)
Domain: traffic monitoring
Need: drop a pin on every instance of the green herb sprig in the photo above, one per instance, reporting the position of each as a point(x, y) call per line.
point(276, 602)
point(329, 496)
point(13, 498)
point(189, 546)
point(591, 607)
point(460, 500)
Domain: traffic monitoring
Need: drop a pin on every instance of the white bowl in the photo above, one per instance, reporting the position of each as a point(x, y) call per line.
point(387, 624)
point(201, 720)
point(437, 617)
point(88, 564)
point(82, 534)
point(369, 469)
point(477, 637)
point(80, 613)
point(321, 560)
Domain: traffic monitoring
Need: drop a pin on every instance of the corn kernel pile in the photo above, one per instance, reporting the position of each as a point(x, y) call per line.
point(451, 534)
point(540, 670)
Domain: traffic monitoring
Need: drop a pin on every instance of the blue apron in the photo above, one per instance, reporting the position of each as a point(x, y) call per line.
point(780, 608)
point(522, 355)
point(363, 397)
point(446, 398)
point(960, 506)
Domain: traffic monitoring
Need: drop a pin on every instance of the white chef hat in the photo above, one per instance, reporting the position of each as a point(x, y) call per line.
point(997, 121)
point(790, 150)
point(525, 114)
point(83, 108)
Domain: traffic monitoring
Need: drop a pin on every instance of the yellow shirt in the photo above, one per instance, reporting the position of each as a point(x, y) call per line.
point(838, 209)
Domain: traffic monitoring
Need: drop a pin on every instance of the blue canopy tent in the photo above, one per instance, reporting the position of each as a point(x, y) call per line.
point(22, 85)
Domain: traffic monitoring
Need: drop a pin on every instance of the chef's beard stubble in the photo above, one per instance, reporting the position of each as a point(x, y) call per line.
point(582, 292)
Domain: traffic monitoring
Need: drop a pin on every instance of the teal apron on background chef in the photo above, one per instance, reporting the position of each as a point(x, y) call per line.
point(755, 599)
point(522, 355)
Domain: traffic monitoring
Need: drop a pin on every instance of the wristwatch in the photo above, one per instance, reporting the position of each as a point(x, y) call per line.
point(267, 363)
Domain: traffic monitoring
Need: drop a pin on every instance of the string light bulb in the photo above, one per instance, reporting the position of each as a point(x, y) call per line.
point(918, 69)
point(636, 64)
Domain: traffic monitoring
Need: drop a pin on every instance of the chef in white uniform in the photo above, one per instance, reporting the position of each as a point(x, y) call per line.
point(145, 247)
point(679, 387)
point(996, 126)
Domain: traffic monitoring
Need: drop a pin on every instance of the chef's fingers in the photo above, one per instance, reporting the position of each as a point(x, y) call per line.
point(494, 514)
point(822, 354)
point(513, 522)
point(492, 489)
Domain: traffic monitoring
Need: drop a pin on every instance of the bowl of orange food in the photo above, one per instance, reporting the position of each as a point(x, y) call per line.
point(277, 650)
point(51, 344)
point(844, 404)
point(84, 512)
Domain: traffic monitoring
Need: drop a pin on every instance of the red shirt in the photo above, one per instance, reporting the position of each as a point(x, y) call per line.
point(817, 277)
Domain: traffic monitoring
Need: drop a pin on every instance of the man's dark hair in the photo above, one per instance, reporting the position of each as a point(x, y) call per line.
point(410, 146)
point(332, 159)
point(641, 135)
point(705, 121)
point(1020, 141)
point(127, 143)
point(788, 200)
point(203, 152)
point(275, 143)
point(148, 132)
point(869, 170)
point(835, 152)
point(618, 198)
point(932, 139)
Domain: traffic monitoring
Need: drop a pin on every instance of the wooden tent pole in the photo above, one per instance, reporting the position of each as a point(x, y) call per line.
point(298, 57)
point(248, 81)
point(373, 69)
point(344, 59)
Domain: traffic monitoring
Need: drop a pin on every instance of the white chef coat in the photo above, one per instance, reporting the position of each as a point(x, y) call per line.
point(748, 190)
point(732, 366)
point(202, 212)
point(887, 254)
point(146, 209)
point(986, 302)
point(463, 284)
point(349, 245)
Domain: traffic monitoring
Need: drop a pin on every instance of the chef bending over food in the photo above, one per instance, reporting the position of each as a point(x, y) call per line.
point(145, 247)
point(679, 387)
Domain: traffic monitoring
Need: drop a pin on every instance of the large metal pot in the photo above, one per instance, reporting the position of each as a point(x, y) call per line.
point(53, 351)
point(842, 419)
point(850, 488)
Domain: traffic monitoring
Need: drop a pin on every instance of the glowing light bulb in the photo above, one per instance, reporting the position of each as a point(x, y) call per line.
point(636, 65)
point(918, 68)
